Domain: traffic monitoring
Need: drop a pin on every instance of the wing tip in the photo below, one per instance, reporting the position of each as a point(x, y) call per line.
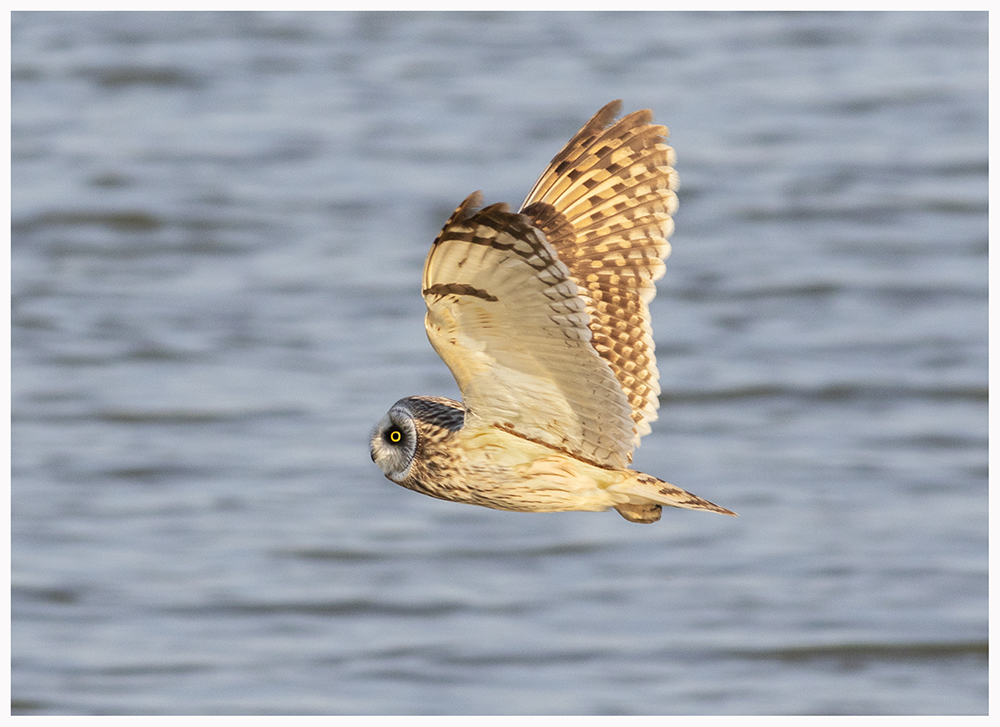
point(470, 204)
point(473, 205)
point(607, 114)
point(463, 212)
point(605, 118)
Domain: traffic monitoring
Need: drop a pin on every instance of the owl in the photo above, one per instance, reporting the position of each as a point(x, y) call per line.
point(542, 316)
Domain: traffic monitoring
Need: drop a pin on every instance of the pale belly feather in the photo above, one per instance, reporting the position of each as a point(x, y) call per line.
point(506, 472)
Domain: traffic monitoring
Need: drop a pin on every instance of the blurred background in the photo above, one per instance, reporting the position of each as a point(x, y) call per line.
point(219, 226)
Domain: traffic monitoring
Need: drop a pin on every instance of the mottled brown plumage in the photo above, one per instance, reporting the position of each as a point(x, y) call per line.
point(542, 317)
point(605, 204)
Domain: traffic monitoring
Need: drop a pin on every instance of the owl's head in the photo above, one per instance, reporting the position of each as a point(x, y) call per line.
point(394, 442)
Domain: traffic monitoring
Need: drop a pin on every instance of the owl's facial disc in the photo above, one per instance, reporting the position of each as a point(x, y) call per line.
point(394, 443)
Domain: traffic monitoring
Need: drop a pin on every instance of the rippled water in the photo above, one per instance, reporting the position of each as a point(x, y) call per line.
point(219, 223)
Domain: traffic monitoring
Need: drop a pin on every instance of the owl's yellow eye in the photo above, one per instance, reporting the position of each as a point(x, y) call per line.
point(395, 435)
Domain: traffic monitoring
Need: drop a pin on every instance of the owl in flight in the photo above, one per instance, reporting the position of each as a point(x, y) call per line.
point(543, 318)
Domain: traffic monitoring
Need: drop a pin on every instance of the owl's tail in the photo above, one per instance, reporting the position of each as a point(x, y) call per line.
point(647, 495)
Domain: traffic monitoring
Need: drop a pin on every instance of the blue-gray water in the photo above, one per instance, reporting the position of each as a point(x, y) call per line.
point(219, 224)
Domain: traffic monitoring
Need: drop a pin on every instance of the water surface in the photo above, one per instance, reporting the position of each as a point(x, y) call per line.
point(219, 224)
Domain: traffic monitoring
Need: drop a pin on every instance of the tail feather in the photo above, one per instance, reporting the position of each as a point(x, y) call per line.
point(647, 495)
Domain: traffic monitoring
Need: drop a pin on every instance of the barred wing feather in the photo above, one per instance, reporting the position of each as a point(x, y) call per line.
point(605, 204)
point(506, 317)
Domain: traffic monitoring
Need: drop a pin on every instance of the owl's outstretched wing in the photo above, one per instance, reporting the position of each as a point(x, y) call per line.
point(605, 204)
point(504, 315)
point(543, 317)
